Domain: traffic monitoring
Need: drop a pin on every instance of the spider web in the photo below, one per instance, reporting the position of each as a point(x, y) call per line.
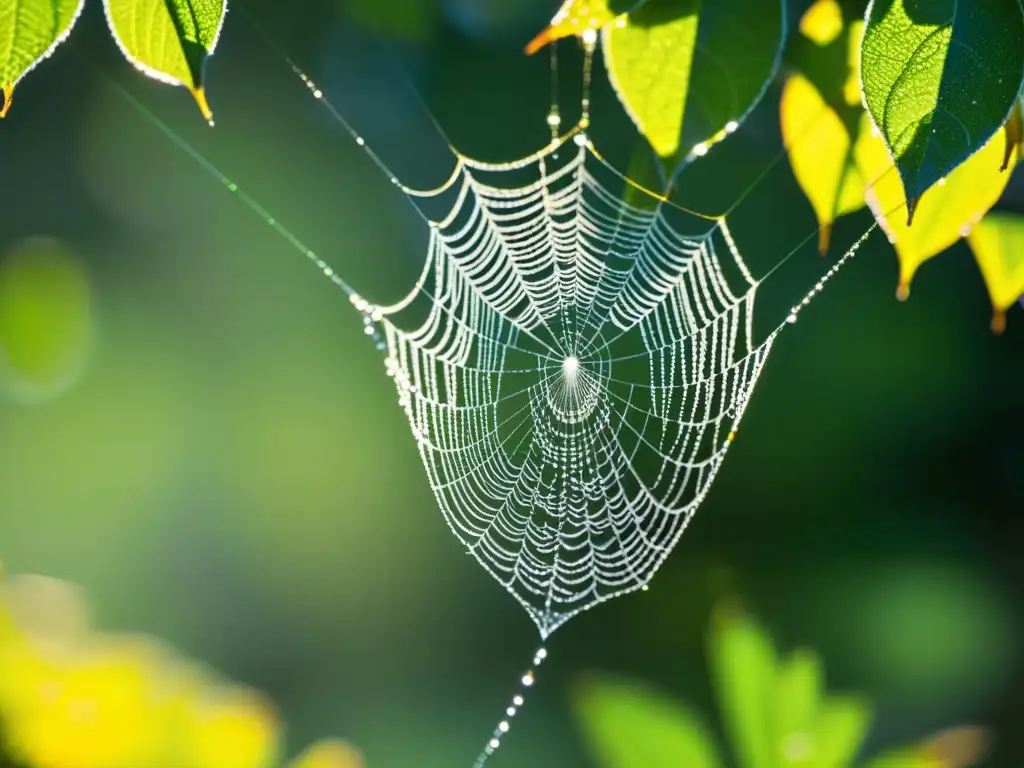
point(573, 368)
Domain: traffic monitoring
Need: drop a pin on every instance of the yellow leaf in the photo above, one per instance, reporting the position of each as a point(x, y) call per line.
point(232, 728)
point(946, 212)
point(330, 753)
point(573, 18)
point(821, 154)
point(998, 245)
point(92, 708)
point(823, 22)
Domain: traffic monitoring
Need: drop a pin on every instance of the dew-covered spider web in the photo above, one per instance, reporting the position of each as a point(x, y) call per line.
point(573, 377)
point(573, 365)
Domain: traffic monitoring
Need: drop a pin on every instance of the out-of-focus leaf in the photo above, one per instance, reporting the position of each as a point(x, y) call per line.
point(960, 747)
point(30, 30)
point(998, 245)
point(939, 79)
point(169, 40)
point(689, 71)
point(742, 662)
point(944, 214)
point(46, 323)
point(798, 692)
point(329, 753)
point(823, 22)
point(842, 724)
point(231, 727)
point(628, 726)
point(402, 19)
point(820, 148)
point(89, 706)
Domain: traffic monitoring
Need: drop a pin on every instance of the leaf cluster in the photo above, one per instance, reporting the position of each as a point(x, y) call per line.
point(775, 712)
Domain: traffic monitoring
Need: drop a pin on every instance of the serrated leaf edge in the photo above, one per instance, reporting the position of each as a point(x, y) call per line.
point(163, 77)
point(8, 88)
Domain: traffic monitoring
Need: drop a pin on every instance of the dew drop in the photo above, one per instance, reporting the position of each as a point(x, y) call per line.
point(700, 149)
point(731, 126)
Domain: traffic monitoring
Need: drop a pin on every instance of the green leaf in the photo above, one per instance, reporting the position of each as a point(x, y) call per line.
point(998, 245)
point(30, 30)
point(939, 78)
point(169, 40)
point(629, 726)
point(799, 688)
point(689, 71)
point(742, 661)
point(46, 324)
point(842, 724)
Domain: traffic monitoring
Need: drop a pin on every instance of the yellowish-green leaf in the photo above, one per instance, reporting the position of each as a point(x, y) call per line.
point(329, 753)
point(798, 692)
point(169, 40)
point(629, 726)
point(820, 148)
point(666, 65)
point(742, 661)
point(945, 213)
point(30, 30)
point(998, 245)
point(46, 324)
point(842, 723)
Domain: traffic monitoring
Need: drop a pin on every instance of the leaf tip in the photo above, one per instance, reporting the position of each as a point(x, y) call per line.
point(8, 98)
point(824, 238)
point(911, 208)
point(998, 322)
point(204, 106)
point(542, 39)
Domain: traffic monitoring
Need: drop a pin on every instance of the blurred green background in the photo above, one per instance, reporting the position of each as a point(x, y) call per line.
point(217, 456)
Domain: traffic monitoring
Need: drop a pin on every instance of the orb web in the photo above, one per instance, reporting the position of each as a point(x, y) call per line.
point(573, 369)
